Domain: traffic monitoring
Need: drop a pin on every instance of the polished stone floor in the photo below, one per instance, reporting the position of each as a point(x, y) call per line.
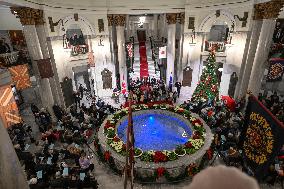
point(105, 177)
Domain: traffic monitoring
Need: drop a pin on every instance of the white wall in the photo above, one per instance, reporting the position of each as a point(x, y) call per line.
point(204, 19)
point(88, 23)
point(8, 21)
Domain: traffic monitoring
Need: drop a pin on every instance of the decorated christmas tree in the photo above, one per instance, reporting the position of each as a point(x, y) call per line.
point(207, 88)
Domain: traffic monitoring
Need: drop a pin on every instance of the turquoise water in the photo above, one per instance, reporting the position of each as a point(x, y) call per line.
point(154, 131)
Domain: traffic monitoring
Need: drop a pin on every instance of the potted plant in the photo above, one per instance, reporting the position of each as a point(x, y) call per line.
point(163, 106)
point(180, 151)
point(172, 156)
point(146, 157)
point(110, 133)
point(137, 152)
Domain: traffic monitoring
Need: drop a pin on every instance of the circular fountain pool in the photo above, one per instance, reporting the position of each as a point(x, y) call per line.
point(156, 130)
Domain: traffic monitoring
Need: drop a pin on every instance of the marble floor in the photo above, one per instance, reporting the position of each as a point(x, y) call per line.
point(105, 177)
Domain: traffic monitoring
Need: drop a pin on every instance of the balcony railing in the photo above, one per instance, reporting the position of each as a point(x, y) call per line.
point(217, 45)
point(9, 59)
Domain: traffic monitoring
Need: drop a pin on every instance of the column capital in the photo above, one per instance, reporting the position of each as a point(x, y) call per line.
point(171, 18)
point(181, 17)
point(110, 20)
point(268, 10)
point(28, 16)
point(119, 19)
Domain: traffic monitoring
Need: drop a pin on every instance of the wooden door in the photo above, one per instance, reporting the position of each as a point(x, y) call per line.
point(187, 77)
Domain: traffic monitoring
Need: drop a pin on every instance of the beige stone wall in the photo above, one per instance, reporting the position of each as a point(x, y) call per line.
point(11, 172)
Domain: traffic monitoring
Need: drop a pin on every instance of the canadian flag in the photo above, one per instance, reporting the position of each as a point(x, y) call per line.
point(163, 52)
point(123, 86)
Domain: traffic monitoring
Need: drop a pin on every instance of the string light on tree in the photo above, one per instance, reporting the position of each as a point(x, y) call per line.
point(207, 88)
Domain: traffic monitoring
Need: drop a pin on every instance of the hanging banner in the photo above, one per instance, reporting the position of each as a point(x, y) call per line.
point(91, 59)
point(8, 107)
point(262, 138)
point(162, 52)
point(20, 76)
point(45, 68)
point(276, 70)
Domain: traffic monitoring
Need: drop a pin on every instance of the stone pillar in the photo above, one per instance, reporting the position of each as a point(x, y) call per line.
point(111, 36)
point(55, 86)
point(12, 174)
point(171, 20)
point(261, 55)
point(155, 26)
point(179, 56)
point(256, 28)
point(29, 18)
point(120, 24)
point(261, 37)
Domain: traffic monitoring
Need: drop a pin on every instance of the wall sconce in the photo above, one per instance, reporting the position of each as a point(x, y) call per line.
point(243, 19)
point(193, 35)
point(51, 24)
point(218, 13)
point(231, 31)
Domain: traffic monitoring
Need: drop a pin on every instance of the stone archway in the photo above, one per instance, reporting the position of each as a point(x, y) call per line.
point(83, 23)
point(211, 19)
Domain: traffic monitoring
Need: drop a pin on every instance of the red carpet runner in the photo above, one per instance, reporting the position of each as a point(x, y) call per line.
point(143, 60)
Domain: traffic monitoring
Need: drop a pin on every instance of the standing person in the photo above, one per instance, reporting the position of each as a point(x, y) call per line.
point(178, 86)
point(81, 90)
point(35, 109)
point(4, 47)
point(58, 112)
point(171, 83)
point(85, 163)
point(175, 95)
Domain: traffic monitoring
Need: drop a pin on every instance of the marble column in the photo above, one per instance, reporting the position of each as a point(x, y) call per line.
point(171, 20)
point(11, 172)
point(179, 56)
point(111, 36)
point(55, 86)
point(261, 56)
point(256, 28)
point(155, 26)
point(261, 36)
point(29, 18)
point(120, 28)
point(241, 73)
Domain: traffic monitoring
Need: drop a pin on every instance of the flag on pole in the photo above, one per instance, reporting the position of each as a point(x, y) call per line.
point(123, 86)
point(129, 48)
point(162, 52)
point(129, 158)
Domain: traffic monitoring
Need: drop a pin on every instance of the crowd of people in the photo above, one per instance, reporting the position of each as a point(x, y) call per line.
point(153, 90)
point(275, 103)
point(61, 156)
point(64, 158)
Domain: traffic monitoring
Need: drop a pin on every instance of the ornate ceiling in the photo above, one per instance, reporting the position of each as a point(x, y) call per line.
point(131, 6)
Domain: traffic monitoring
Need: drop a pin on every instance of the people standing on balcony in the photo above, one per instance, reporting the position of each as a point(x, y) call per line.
point(4, 47)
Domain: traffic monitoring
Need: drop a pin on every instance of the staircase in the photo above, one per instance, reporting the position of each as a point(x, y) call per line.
point(136, 64)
